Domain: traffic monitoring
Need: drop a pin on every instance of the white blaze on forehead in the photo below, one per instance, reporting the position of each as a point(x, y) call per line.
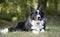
point(38, 11)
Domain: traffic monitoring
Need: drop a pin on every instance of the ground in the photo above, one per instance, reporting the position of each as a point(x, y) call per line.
point(51, 31)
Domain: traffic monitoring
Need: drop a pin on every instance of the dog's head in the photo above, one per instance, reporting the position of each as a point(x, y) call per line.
point(36, 14)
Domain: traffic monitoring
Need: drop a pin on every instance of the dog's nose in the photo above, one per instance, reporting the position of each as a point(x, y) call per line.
point(39, 18)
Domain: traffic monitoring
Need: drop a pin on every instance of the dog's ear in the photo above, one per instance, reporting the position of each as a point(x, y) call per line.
point(41, 8)
point(32, 9)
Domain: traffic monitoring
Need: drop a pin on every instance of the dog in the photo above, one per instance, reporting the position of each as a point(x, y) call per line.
point(35, 22)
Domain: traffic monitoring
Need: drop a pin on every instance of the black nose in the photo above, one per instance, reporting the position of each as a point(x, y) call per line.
point(39, 18)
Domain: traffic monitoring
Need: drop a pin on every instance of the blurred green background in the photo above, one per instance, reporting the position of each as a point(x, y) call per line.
point(12, 11)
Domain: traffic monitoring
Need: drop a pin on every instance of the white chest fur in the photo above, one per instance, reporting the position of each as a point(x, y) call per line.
point(36, 27)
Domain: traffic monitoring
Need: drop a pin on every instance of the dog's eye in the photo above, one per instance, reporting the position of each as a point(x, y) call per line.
point(35, 12)
point(39, 12)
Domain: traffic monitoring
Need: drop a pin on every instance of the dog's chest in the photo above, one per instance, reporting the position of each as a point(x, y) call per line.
point(35, 24)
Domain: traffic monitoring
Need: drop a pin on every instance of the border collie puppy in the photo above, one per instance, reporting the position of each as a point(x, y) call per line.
point(35, 22)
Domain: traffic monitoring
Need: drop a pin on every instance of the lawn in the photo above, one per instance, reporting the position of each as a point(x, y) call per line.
point(51, 31)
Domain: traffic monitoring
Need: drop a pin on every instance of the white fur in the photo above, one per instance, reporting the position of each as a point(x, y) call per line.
point(4, 31)
point(41, 24)
point(35, 32)
point(34, 25)
point(38, 11)
point(36, 28)
point(42, 31)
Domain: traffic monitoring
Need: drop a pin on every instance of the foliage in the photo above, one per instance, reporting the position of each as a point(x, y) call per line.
point(15, 10)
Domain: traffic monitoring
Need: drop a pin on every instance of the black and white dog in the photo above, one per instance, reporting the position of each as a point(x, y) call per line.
point(35, 22)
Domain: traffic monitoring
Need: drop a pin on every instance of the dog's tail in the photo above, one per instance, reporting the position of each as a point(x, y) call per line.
point(6, 30)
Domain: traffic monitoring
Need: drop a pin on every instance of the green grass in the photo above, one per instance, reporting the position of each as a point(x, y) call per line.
point(51, 31)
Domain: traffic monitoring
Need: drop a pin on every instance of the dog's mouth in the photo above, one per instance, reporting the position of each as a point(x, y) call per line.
point(37, 20)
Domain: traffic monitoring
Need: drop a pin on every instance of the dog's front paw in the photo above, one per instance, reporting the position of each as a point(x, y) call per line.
point(35, 32)
point(42, 31)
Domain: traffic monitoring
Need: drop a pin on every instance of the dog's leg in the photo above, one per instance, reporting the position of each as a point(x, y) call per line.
point(19, 26)
point(28, 26)
point(43, 25)
point(12, 29)
point(6, 30)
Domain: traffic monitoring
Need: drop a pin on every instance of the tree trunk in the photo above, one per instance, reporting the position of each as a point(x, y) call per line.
point(44, 2)
point(56, 5)
point(25, 8)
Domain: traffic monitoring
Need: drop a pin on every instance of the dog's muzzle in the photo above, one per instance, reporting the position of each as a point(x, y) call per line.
point(38, 17)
